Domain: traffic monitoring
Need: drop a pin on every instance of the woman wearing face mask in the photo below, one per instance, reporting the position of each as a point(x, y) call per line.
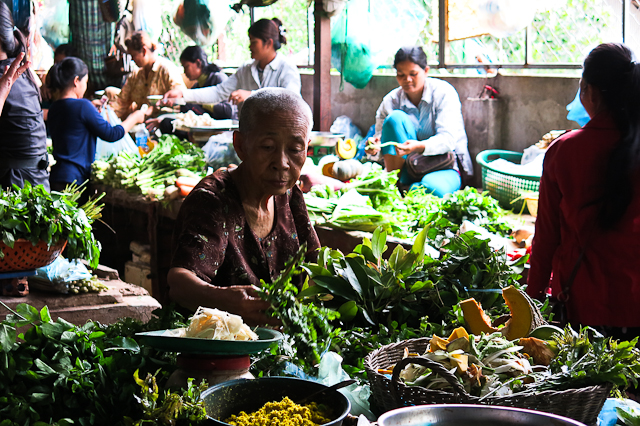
point(424, 115)
point(74, 124)
point(23, 146)
point(587, 240)
point(268, 69)
point(155, 76)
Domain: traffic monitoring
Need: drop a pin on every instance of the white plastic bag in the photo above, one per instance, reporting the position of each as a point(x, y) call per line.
point(331, 372)
point(344, 125)
point(219, 151)
point(105, 149)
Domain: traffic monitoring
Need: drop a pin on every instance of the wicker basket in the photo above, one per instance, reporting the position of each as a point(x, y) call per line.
point(505, 187)
point(25, 256)
point(583, 404)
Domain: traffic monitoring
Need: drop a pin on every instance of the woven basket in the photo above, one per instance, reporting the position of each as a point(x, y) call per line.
point(582, 404)
point(25, 256)
point(504, 187)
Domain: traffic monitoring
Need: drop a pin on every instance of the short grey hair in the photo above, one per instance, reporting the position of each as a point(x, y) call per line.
point(267, 101)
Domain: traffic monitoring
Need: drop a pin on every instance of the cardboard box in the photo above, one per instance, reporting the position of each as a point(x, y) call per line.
point(138, 274)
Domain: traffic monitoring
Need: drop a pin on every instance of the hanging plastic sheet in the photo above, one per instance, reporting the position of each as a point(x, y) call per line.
point(203, 20)
point(147, 17)
point(55, 22)
point(368, 33)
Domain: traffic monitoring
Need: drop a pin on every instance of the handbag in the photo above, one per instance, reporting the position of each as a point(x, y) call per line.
point(558, 304)
point(418, 165)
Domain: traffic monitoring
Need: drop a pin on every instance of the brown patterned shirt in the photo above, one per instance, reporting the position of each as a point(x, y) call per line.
point(213, 239)
point(163, 77)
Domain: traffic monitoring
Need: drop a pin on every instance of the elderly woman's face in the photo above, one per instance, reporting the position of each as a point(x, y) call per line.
point(275, 151)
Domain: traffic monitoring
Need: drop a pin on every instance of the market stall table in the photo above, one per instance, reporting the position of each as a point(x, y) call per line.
point(119, 301)
point(134, 217)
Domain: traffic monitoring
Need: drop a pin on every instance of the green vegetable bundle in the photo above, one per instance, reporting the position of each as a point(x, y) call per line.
point(151, 174)
point(36, 215)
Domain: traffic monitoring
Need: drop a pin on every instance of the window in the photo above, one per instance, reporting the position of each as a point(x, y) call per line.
point(560, 35)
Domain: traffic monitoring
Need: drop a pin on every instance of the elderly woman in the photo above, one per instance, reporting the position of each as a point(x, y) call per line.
point(240, 226)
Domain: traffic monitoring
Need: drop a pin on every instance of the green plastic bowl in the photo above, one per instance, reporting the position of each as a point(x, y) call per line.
point(228, 398)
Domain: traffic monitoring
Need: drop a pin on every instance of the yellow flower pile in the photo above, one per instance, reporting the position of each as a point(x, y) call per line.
point(282, 413)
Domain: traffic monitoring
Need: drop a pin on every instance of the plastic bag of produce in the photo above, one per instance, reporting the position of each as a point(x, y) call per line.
point(55, 276)
point(105, 149)
point(219, 151)
point(366, 35)
point(196, 19)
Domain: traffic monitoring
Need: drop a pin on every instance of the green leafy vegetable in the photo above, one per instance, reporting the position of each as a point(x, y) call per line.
point(34, 214)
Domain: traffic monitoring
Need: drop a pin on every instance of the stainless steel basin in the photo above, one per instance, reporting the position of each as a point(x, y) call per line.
point(476, 415)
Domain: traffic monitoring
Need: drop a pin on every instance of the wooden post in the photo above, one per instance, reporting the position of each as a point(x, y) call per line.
point(322, 70)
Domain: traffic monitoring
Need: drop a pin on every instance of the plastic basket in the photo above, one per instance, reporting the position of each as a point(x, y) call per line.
point(25, 256)
point(502, 186)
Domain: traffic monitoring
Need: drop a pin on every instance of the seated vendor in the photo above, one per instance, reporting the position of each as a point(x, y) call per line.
point(422, 115)
point(241, 225)
point(155, 76)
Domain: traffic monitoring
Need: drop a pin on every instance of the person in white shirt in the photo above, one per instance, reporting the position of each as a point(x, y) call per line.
point(423, 115)
point(268, 69)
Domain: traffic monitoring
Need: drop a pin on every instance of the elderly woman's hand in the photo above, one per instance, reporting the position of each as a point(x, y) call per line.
point(409, 146)
point(244, 300)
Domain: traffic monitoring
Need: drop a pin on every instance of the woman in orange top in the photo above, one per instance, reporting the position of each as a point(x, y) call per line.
point(155, 76)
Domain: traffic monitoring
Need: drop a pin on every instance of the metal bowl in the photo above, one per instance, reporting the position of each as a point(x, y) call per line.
point(468, 414)
point(228, 398)
point(324, 138)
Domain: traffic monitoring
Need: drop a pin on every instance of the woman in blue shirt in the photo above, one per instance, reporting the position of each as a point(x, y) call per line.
point(424, 115)
point(74, 124)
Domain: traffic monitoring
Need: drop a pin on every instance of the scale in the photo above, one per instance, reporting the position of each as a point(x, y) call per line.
point(216, 361)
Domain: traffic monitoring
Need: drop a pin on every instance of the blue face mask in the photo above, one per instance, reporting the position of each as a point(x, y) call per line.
point(577, 112)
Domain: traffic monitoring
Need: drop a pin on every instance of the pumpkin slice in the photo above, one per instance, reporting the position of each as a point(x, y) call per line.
point(463, 362)
point(457, 333)
point(437, 343)
point(477, 321)
point(538, 349)
point(346, 148)
point(525, 317)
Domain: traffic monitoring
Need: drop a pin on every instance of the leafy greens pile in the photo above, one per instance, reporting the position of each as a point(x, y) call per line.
point(34, 214)
point(57, 373)
point(381, 301)
point(401, 217)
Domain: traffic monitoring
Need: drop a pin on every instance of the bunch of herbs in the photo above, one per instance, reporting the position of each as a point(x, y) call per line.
point(34, 214)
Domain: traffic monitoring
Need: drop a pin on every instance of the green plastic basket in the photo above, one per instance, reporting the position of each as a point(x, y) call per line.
point(502, 186)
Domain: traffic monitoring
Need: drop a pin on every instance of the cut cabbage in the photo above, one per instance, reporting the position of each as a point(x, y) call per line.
point(215, 324)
